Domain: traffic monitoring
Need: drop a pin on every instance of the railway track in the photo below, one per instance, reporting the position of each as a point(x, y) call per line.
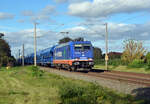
point(124, 78)
point(134, 78)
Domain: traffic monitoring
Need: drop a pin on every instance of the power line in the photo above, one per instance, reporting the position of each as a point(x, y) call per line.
point(130, 18)
point(95, 32)
point(113, 7)
point(109, 10)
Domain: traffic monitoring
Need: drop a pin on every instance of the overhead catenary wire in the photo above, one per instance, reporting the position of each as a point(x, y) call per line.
point(111, 8)
point(131, 18)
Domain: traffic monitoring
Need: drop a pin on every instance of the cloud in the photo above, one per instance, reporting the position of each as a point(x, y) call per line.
point(103, 8)
point(21, 21)
point(27, 13)
point(49, 9)
point(68, 1)
point(4, 16)
point(42, 15)
point(61, 1)
point(117, 32)
point(45, 39)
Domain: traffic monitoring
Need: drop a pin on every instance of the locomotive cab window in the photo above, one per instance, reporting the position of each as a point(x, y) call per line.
point(82, 47)
point(78, 47)
point(86, 47)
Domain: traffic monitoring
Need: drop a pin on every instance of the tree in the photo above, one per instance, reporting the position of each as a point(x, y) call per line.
point(68, 39)
point(97, 53)
point(148, 57)
point(65, 40)
point(5, 53)
point(1, 35)
point(132, 50)
point(79, 39)
point(4, 48)
point(148, 60)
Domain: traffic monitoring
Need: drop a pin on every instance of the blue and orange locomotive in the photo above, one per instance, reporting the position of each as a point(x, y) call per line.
point(74, 55)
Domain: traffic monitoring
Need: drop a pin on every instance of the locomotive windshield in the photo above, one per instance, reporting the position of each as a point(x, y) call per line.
point(82, 47)
point(78, 47)
point(86, 47)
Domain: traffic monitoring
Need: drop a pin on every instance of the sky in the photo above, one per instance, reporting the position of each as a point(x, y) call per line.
point(127, 19)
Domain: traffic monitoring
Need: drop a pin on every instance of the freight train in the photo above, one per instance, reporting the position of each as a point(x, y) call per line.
point(74, 56)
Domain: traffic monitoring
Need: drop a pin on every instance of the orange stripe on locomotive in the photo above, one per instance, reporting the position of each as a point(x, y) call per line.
point(69, 62)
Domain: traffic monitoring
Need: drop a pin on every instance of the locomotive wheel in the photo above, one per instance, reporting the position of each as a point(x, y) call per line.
point(73, 68)
point(70, 69)
point(59, 67)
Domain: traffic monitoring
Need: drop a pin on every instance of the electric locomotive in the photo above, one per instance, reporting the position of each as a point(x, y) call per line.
point(74, 55)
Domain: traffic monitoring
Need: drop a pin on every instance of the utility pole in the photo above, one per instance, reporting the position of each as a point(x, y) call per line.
point(35, 44)
point(23, 55)
point(106, 43)
point(19, 53)
point(19, 59)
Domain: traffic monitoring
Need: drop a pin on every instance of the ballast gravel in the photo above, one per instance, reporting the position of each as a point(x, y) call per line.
point(116, 85)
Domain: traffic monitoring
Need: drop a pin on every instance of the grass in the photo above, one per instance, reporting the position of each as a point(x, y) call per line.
point(20, 85)
point(123, 68)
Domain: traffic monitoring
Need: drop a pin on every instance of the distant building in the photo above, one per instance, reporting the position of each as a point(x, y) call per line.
point(114, 55)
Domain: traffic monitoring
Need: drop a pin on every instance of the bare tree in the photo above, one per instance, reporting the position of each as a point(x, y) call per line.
point(133, 50)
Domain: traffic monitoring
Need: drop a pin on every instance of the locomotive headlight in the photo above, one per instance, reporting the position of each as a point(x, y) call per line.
point(90, 59)
point(91, 63)
point(76, 63)
point(77, 59)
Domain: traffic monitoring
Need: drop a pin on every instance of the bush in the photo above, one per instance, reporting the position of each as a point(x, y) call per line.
point(148, 65)
point(77, 94)
point(99, 62)
point(36, 72)
point(148, 57)
point(71, 93)
point(137, 63)
point(0, 65)
point(115, 62)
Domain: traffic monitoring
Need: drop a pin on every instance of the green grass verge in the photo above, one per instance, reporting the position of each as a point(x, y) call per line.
point(124, 68)
point(23, 85)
